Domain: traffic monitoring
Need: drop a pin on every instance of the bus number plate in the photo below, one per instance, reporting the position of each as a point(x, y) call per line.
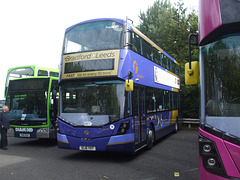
point(24, 135)
point(87, 148)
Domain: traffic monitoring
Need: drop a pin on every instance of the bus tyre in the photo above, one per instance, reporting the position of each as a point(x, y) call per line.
point(151, 137)
point(176, 126)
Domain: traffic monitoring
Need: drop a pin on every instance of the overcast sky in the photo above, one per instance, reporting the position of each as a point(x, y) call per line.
point(32, 31)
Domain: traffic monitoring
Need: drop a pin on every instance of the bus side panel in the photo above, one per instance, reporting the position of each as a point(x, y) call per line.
point(161, 123)
point(123, 143)
point(234, 150)
point(142, 69)
point(174, 115)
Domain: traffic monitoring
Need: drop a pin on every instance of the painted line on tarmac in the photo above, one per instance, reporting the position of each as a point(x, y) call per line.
point(194, 169)
point(6, 160)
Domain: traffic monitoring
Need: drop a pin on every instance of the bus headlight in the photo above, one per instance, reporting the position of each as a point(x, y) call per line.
point(57, 126)
point(10, 130)
point(207, 148)
point(123, 128)
point(211, 162)
point(42, 130)
point(210, 157)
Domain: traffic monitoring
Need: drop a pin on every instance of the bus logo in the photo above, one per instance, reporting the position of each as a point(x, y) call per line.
point(135, 67)
point(160, 121)
point(86, 132)
point(112, 127)
point(18, 129)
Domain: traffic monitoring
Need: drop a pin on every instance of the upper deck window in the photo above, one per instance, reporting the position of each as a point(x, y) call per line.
point(54, 74)
point(102, 35)
point(42, 73)
point(20, 73)
point(145, 49)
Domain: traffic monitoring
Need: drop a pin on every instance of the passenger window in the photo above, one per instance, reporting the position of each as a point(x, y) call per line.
point(136, 43)
point(54, 74)
point(42, 73)
point(147, 50)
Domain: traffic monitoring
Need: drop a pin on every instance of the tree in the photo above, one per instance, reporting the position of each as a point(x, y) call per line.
point(169, 25)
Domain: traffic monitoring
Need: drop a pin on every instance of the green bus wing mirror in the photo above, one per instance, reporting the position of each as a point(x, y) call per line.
point(192, 73)
point(129, 85)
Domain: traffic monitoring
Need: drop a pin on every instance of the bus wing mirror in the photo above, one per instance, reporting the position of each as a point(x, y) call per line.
point(129, 85)
point(192, 75)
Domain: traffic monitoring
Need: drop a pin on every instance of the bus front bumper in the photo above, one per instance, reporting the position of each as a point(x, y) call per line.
point(123, 143)
point(30, 132)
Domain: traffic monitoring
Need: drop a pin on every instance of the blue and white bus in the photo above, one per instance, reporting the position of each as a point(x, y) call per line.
point(119, 91)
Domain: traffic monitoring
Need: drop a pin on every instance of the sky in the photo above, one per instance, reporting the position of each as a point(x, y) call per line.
point(32, 31)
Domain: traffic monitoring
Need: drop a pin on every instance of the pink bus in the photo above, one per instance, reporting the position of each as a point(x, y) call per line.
point(218, 73)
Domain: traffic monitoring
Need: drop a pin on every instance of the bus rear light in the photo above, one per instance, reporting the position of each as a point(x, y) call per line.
point(210, 157)
point(124, 127)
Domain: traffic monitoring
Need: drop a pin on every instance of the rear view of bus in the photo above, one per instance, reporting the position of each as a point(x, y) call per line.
point(219, 61)
point(31, 94)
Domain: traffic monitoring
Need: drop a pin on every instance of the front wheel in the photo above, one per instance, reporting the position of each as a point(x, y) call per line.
point(150, 138)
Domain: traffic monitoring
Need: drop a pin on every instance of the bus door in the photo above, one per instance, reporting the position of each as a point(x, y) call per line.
point(139, 116)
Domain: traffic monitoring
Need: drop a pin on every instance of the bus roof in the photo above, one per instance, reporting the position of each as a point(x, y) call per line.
point(130, 26)
point(34, 67)
point(217, 18)
point(29, 71)
point(123, 22)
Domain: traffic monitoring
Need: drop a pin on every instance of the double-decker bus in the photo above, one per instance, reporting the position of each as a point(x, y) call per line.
point(219, 62)
point(119, 91)
point(31, 94)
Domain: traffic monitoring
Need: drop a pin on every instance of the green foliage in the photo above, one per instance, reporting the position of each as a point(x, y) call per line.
point(190, 101)
point(169, 26)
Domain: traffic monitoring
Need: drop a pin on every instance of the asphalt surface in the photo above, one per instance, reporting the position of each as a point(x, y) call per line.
point(175, 157)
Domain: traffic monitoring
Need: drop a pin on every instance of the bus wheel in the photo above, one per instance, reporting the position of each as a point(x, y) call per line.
point(150, 138)
point(176, 127)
